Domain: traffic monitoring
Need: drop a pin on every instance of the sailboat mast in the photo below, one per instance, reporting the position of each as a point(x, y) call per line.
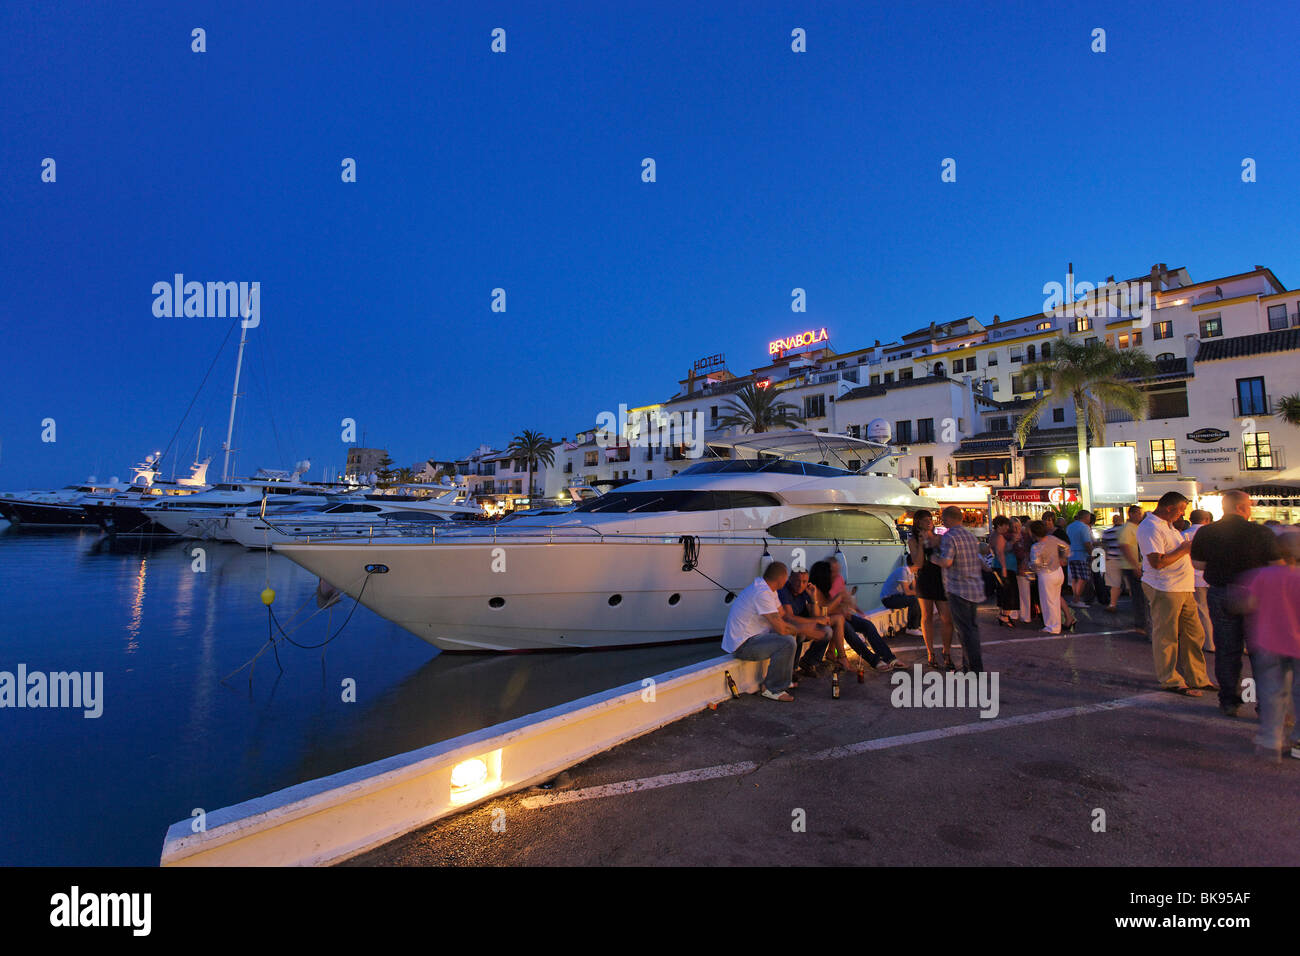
point(234, 397)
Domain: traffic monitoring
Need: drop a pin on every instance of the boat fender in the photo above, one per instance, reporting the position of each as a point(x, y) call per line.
point(326, 594)
point(765, 561)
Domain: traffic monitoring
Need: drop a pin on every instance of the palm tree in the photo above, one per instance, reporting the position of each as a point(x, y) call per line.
point(757, 409)
point(1288, 408)
point(534, 448)
point(405, 476)
point(1094, 376)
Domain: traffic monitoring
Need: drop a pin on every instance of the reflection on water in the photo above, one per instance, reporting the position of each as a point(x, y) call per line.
point(173, 736)
point(137, 610)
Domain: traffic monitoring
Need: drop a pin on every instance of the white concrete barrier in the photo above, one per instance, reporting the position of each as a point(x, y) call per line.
point(333, 818)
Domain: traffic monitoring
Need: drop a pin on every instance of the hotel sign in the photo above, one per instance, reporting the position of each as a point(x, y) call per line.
point(802, 340)
point(710, 361)
point(1207, 436)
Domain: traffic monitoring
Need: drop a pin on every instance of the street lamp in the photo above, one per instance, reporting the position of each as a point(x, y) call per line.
point(1062, 466)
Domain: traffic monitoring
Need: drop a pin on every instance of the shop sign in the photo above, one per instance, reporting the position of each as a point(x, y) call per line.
point(1207, 436)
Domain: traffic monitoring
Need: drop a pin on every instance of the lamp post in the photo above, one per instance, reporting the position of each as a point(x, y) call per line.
point(1062, 466)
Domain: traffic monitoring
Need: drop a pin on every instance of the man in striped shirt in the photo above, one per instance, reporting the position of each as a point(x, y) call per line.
point(963, 582)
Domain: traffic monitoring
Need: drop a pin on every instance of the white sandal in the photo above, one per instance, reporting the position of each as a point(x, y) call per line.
point(783, 696)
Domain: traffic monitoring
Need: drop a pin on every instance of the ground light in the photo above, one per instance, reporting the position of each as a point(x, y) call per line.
point(475, 778)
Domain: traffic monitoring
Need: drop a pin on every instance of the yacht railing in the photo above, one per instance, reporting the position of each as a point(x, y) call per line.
point(401, 532)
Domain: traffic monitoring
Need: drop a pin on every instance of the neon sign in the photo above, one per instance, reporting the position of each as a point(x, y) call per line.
point(797, 341)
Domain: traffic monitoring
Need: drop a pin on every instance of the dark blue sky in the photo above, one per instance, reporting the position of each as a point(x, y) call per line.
point(775, 170)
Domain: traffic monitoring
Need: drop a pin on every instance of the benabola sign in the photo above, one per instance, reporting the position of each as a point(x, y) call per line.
point(797, 341)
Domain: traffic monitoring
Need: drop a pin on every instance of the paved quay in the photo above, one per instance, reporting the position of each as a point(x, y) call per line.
point(1086, 763)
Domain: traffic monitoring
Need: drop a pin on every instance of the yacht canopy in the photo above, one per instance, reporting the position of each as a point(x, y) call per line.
point(798, 442)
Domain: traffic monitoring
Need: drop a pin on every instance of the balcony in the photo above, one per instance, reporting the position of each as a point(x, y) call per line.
point(1253, 405)
point(1117, 416)
point(1274, 460)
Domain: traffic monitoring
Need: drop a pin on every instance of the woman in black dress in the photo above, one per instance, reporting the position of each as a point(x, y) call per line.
point(929, 588)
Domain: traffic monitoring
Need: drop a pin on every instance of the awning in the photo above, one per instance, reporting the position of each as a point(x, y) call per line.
point(1270, 495)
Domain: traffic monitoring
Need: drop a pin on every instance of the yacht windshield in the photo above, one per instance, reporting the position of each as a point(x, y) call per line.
point(626, 502)
point(780, 466)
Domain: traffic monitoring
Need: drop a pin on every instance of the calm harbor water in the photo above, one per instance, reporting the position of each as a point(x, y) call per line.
point(174, 737)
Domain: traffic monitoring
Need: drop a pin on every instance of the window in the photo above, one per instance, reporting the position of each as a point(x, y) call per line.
point(1081, 324)
point(889, 378)
point(903, 432)
point(1047, 351)
point(981, 469)
point(1043, 326)
point(1090, 340)
point(589, 459)
point(1163, 330)
point(1251, 399)
point(1017, 384)
point(926, 469)
point(938, 369)
point(568, 467)
point(1163, 456)
point(993, 359)
point(1277, 316)
point(1031, 354)
point(959, 365)
point(1058, 414)
point(1258, 451)
point(999, 424)
point(1126, 444)
point(995, 385)
point(924, 430)
point(713, 412)
point(1017, 354)
point(831, 525)
point(1165, 357)
point(1137, 339)
point(875, 380)
point(1123, 340)
point(814, 406)
point(1211, 327)
point(904, 374)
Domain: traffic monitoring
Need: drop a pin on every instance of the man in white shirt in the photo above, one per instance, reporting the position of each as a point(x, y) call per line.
point(1169, 583)
point(1198, 518)
point(755, 631)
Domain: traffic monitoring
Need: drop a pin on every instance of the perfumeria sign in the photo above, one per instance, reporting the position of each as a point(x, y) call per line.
point(811, 337)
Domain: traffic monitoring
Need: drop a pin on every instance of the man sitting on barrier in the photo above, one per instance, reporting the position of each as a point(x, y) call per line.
point(756, 632)
point(797, 610)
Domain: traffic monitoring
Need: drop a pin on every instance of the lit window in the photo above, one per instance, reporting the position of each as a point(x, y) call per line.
point(1163, 330)
point(1211, 327)
point(1258, 451)
point(1163, 456)
point(1043, 326)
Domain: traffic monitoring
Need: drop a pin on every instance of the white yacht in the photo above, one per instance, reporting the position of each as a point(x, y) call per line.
point(652, 562)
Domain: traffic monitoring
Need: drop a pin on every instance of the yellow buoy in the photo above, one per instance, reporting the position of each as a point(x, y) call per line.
point(268, 596)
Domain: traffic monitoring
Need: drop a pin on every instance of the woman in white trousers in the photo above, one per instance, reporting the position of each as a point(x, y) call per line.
point(1046, 556)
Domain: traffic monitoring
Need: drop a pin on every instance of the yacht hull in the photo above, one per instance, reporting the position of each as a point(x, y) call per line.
point(535, 594)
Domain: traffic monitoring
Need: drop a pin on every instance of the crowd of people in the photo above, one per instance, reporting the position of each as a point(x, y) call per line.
point(1196, 586)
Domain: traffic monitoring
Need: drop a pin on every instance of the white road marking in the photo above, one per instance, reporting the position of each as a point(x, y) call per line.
point(645, 783)
point(982, 726)
point(1015, 640)
point(848, 750)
